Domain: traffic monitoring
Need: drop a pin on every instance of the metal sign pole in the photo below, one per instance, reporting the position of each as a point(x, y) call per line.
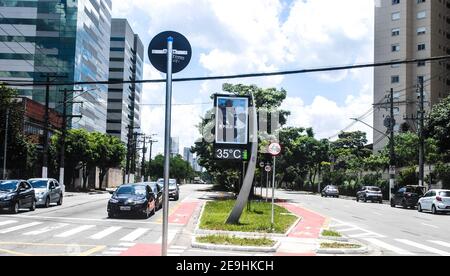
point(5, 149)
point(167, 145)
point(267, 187)
point(273, 190)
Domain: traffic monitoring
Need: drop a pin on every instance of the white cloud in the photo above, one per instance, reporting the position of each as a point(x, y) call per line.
point(327, 118)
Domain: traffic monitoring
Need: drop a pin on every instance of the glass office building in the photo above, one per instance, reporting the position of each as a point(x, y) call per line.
point(68, 38)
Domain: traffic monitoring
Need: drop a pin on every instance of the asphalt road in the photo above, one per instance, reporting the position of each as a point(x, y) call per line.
point(81, 227)
point(394, 231)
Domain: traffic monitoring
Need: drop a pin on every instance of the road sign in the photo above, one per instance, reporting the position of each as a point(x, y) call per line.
point(182, 52)
point(268, 168)
point(274, 149)
point(262, 164)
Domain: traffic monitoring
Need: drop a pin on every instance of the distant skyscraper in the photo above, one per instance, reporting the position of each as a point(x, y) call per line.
point(126, 63)
point(188, 155)
point(174, 146)
point(60, 37)
point(406, 29)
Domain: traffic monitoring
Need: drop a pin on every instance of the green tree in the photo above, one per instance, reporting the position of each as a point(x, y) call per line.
point(179, 168)
point(21, 152)
point(108, 152)
point(438, 127)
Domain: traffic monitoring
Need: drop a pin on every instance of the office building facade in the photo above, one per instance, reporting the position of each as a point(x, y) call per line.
point(69, 39)
point(406, 29)
point(126, 63)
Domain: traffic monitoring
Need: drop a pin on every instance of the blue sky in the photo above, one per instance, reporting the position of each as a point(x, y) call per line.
point(243, 36)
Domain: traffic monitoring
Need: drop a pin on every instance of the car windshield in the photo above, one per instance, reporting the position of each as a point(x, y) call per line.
point(131, 190)
point(415, 190)
point(332, 188)
point(39, 184)
point(374, 189)
point(445, 194)
point(8, 186)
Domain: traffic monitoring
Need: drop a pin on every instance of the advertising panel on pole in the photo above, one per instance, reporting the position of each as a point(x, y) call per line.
point(231, 128)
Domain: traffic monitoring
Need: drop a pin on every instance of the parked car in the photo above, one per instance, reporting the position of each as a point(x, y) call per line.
point(407, 197)
point(198, 180)
point(47, 191)
point(370, 193)
point(174, 188)
point(132, 199)
point(16, 195)
point(436, 201)
point(330, 191)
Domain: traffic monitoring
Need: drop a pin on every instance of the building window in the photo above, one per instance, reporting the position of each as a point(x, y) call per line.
point(396, 32)
point(395, 16)
point(395, 2)
point(421, 47)
point(421, 31)
point(421, 15)
point(395, 79)
point(395, 48)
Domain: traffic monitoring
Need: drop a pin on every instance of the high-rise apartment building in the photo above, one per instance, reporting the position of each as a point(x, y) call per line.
point(174, 146)
point(409, 29)
point(126, 63)
point(59, 37)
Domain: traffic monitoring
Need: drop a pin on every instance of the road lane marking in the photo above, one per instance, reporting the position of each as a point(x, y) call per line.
point(46, 229)
point(389, 247)
point(134, 235)
point(127, 244)
point(361, 229)
point(105, 233)
point(360, 235)
point(170, 237)
point(118, 249)
point(378, 214)
point(348, 229)
point(429, 225)
point(87, 219)
point(3, 223)
point(441, 243)
point(20, 227)
point(75, 231)
point(424, 247)
point(111, 253)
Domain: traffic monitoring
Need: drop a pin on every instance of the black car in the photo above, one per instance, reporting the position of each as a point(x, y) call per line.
point(132, 199)
point(16, 195)
point(370, 193)
point(407, 197)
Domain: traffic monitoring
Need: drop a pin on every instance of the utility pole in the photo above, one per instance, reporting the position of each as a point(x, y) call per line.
point(392, 162)
point(150, 159)
point(421, 135)
point(5, 146)
point(64, 134)
point(46, 123)
point(144, 151)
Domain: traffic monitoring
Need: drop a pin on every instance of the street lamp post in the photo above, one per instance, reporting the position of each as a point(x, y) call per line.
point(5, 149)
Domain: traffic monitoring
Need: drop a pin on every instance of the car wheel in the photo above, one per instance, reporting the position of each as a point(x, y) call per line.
point(111, 215)
point(365, 199)
point(434, 210)
point(15, 208)
point(419, 208)
point(381, 201)
point(357, 198)
point(392, 203)
point(60, 201)
point(33, 205)
point(47, 202)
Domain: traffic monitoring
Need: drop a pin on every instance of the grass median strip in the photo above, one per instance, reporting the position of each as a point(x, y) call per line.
point(329, 233)
point(228, 240)
point(337, 245)
point(255, 219)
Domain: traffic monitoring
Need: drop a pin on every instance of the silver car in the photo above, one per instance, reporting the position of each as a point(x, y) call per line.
point(47, 191)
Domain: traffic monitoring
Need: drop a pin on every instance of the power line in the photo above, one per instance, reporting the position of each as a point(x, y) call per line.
point(239, 76)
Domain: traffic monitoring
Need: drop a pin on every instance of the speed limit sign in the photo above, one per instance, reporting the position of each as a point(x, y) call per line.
point(268, 168)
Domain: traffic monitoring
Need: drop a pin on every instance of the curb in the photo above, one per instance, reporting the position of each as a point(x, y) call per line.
point(336, 239)
point(234, 248)
point(354, 251)
point(204, 232)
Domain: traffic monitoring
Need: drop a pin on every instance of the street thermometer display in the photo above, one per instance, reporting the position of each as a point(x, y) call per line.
point(231, 154)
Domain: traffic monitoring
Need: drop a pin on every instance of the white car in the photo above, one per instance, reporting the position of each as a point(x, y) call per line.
point(436, 201)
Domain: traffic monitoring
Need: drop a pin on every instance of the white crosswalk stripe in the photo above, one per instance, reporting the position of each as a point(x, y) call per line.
point(105, 233)
point(424, 247)
point(47, 229)
point(170, 237)
point(389, 247)
point(75, 231)
point(19, 227)
point(3, 223)
point(134, 235)
point(441, 243)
